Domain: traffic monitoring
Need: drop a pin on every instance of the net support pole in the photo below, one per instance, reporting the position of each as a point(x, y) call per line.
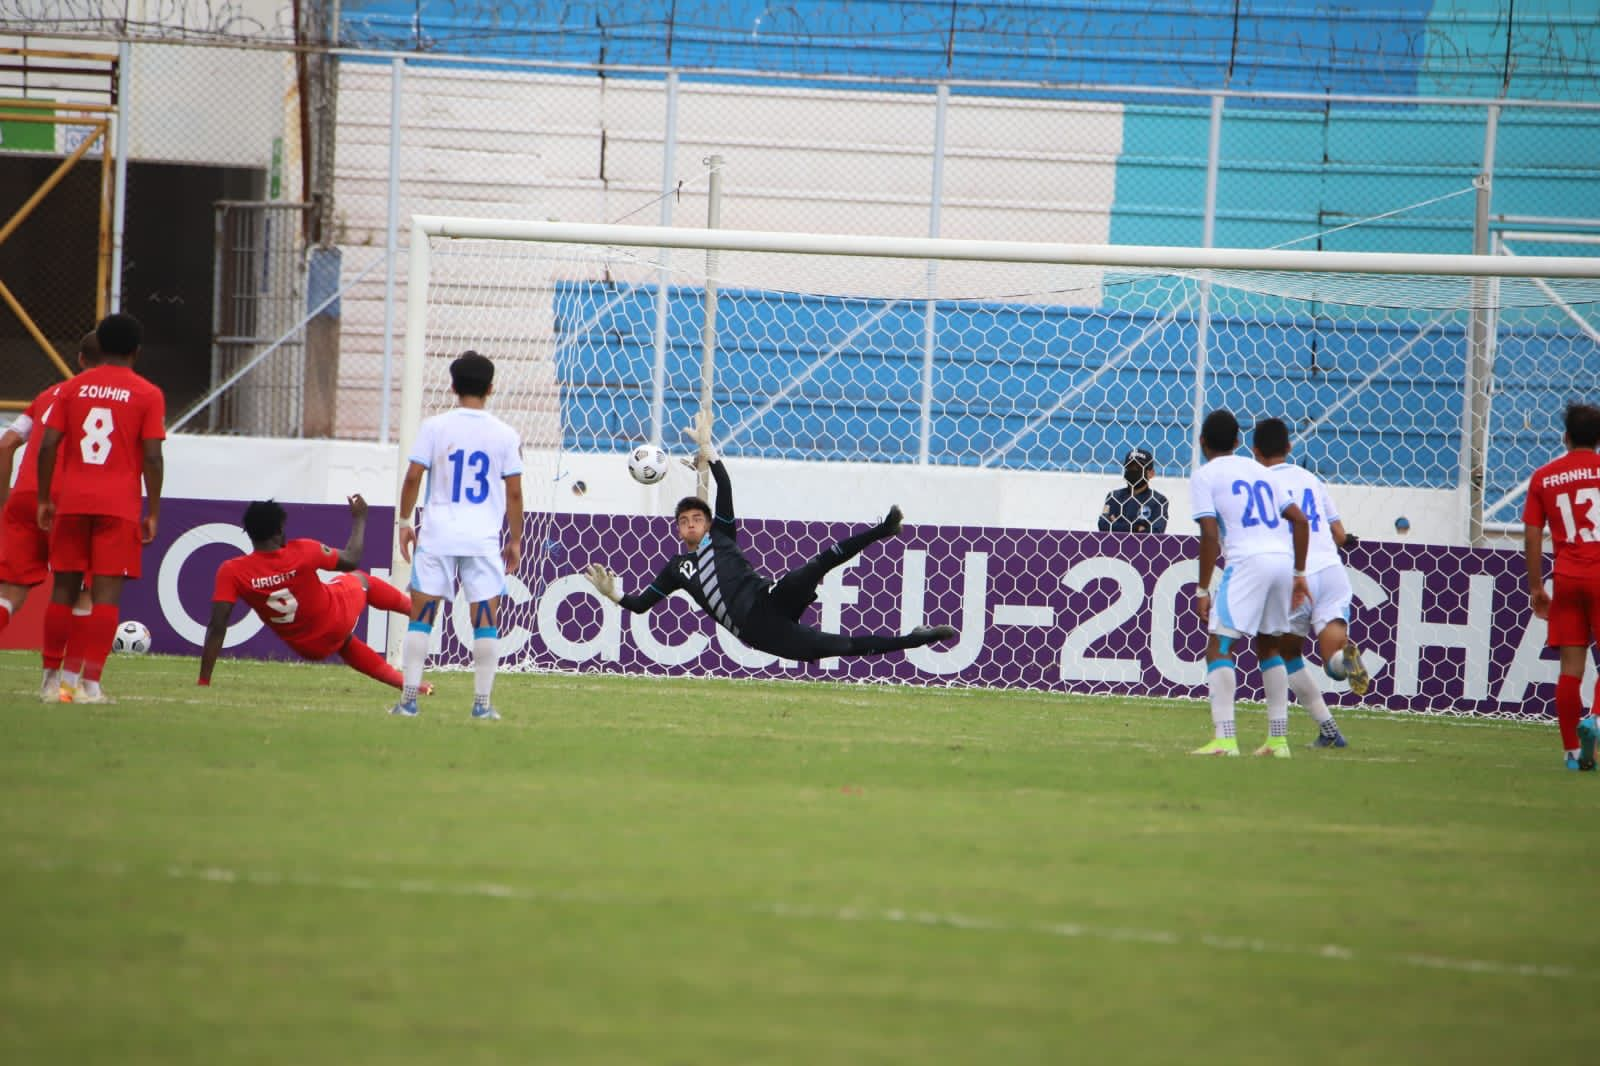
point(658, 366)
point(930, 312)
point(397, 74)
point(708, 334)
point(1208, 237)
point(1475, 404)
point(414, 354)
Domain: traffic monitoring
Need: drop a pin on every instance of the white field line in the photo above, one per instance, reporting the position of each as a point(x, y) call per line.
point(802, 912)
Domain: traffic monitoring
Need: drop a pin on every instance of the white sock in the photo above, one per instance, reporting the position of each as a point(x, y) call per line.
point(91, 688)
point(1309, 693)
point(485, 660)
point(1220, 680)
point(69, 679)
point(413, 657)
point(1275, 680)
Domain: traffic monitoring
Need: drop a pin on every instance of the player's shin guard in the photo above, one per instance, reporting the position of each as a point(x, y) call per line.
point(72, 664)
point(57, 631)
point(363, 658)
point(96, 631)
point(1275, 682)
point(485, 660)
point(1221, 682)
point(385, 597)
point(413, 655)
point(1569, 708)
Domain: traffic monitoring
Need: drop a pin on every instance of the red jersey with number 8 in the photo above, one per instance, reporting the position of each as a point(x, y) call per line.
point(105, 415)
point(282, 586)
point(1565, 492)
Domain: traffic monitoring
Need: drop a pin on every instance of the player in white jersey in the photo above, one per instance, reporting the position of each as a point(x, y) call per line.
point(473, 463)
point(1265, 538)
point(1327, 617)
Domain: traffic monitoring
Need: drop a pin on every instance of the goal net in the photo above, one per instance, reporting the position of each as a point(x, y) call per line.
point(993, 390)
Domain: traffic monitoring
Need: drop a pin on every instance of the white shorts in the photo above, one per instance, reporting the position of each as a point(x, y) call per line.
point(482, 577)
point(1330, 602)
point(1253, 597)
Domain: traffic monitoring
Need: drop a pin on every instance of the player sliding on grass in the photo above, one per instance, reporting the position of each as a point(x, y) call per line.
point(1244, 516)
point(762, 613)
point(1326, 616)
point(279, 581)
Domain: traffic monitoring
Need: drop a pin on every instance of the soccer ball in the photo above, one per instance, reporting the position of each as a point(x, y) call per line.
point(132, 638)
point(648, 464)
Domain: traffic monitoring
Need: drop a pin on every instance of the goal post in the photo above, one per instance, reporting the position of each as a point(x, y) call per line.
point(993, 389)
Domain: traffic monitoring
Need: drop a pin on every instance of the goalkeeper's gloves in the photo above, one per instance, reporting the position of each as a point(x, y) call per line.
point(1350, 541)
point(701, 435)
point(603, 580)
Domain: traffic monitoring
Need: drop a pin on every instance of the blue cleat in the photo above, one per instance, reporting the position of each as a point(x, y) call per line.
point(1335, 741)
point(1588, 733)
point(406, 709)
point(485, 713)
point(1572, 763)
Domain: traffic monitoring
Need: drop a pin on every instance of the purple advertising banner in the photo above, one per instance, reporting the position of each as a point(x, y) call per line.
point(1442, 629)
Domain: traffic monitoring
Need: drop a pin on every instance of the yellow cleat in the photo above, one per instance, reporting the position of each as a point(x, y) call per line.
point(1355, 671)
point(1218, 747)
point(1274, 748)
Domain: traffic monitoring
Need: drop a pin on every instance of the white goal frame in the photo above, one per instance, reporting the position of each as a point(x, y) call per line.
point(1147, 257)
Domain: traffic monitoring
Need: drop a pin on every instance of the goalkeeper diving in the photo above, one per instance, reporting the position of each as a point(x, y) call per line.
point(761, 612)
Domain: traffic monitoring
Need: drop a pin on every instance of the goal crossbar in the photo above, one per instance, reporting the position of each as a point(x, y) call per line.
point(1141, 256)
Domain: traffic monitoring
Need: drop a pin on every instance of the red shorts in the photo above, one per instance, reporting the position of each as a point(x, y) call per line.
point(347, 599)
point(1574, 612)
point(95, 542)
point(24, 547)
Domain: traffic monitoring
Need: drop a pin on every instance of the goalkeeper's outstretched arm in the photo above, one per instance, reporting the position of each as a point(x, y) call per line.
point(724, 508)
point(605, 582)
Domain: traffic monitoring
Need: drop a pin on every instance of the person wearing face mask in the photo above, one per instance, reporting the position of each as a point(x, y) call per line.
point(1138, 508)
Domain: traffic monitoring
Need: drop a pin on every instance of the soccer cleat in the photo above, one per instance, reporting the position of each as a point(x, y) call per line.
point(485, 713)
point(1356, 671)
point(406, 709)
point(891, 521)
point(1573, 764)
point(1275, 748)
point(1335, 741)
point(1218, 746)
point(1588, 733)
point(79, 694)
point(931, 634)
point(50, 691)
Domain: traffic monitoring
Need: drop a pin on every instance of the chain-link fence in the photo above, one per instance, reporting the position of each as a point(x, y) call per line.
point(339, 147)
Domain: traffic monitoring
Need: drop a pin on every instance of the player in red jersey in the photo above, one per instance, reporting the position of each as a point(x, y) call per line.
point(279, 581)
point(1565, 492)
point(106, 427)
point(24, 547)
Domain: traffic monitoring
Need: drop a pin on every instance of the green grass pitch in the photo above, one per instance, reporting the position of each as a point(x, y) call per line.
point(682, 871)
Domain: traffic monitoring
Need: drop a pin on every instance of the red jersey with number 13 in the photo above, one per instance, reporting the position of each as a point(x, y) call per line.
point(1566, 493)
point(283, 587)
point(105, 415)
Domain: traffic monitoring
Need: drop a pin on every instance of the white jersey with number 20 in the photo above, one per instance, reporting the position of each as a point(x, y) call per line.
point(1246, 502)
point(468, 454)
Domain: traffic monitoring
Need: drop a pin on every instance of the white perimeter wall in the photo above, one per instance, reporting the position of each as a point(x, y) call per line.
point(328, 471)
